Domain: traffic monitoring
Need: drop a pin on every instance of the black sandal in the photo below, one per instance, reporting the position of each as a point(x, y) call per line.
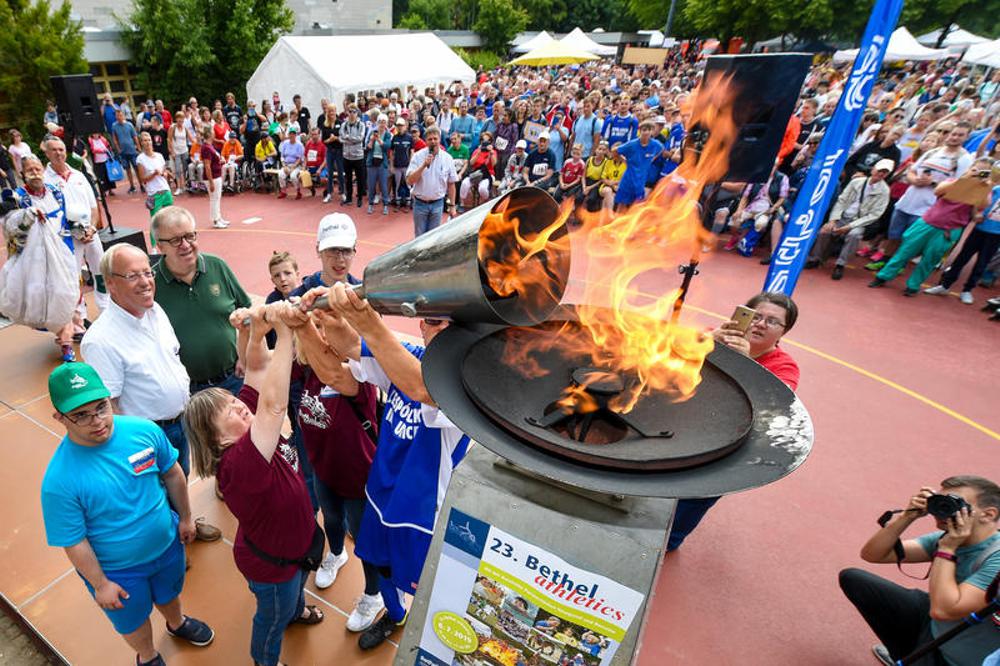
point(314, 616)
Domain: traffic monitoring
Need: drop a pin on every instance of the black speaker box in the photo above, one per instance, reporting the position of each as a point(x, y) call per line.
point(123, 235)
point(766, 88)
point(76, 100)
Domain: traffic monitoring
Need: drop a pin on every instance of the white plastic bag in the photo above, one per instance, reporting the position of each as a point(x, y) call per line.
point(40, 285)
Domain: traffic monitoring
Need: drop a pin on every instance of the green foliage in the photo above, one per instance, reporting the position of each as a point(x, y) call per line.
point(653, 14)
point(921, 16)
point(544, 14)
point(201, 47)
point(498, 22)
point(476, 59)
point(428, 15)
point(36, 43)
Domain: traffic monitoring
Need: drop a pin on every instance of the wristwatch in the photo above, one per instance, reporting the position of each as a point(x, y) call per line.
point(951, 557)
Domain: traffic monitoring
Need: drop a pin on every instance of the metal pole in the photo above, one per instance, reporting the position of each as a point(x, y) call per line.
point(670, 18)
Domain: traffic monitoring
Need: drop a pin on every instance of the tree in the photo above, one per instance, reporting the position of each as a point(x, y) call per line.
point(544, 14)
point(201, 47)
point(921, 16)
point(653, 14)
point(428, 15)
point(498, 22)
point(37, 43)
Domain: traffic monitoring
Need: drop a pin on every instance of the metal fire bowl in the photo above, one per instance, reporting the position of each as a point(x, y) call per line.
point(742, 429)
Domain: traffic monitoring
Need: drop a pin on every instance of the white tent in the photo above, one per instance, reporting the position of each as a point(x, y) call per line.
point(541, 39)
point(579, 40)
point(902, 46)
point(956, 38)
point(332, 66)
point(987, 53)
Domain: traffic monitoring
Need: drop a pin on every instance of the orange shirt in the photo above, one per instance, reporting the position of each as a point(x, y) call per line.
point(231, 147)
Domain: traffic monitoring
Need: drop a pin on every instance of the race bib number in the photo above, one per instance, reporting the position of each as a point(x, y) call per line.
point(501, 143)
point(311, 156)
point(539, 169)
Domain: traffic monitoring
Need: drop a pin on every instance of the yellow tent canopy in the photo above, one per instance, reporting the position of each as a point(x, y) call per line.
point(553, 53)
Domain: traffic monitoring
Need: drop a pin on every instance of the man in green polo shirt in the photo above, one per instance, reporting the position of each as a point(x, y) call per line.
point(198, 291)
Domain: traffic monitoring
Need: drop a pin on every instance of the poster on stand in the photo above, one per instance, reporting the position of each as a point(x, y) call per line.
point(500, 601)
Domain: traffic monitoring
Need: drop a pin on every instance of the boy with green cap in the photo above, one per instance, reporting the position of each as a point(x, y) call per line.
point(105, 501)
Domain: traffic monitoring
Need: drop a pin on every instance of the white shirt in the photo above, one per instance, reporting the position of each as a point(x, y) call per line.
point(79, 195)
point(150, 164)
point(433, 183)
point(138, 359)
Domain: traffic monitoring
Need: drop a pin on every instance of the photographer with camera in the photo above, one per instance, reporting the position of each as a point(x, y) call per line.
point(965, 558)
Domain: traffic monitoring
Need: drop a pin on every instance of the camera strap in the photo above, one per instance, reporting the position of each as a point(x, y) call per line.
point(897, 547)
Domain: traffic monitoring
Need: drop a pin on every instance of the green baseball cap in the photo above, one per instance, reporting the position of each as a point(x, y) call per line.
point(74, 384)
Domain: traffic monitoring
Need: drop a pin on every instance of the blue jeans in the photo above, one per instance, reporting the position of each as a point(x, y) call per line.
point(231, 383)
point(177, 438)
point(378, 177)
point(334, 163)
point(426, 216)
point(688, 514)
point(341, 514)
point(277, 605)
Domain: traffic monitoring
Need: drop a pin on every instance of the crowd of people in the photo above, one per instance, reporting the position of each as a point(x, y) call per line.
point(182, 374)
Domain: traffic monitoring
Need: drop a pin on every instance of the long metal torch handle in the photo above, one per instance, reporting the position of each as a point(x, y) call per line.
point(321, 302)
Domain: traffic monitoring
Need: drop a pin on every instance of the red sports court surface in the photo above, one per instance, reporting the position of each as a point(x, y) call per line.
point(902, 393)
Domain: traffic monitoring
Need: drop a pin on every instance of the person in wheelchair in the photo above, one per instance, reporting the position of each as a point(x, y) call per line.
point(232, 158)
point(481, 172)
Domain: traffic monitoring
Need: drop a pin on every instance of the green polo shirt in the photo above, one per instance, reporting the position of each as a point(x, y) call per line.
point(199, 313)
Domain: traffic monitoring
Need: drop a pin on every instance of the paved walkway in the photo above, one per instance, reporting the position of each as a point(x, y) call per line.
point(902, 393)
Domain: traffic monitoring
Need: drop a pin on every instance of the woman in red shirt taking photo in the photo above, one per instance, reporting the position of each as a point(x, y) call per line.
point(482, 171)
point(238, 439)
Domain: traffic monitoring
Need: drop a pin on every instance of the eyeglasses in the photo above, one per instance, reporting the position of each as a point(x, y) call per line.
point(433, 322)
point(88, 418)
point(134, 277)
point(177, 241)
point(770, 322)
point(342, 252)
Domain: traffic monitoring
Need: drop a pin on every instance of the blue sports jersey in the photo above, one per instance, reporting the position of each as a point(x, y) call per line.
point(674, 140)
point(112, 495)
point(639, 159)
point(618, 129)
point(418, 447)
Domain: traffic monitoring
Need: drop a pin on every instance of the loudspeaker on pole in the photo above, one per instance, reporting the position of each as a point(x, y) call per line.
point(77, 102)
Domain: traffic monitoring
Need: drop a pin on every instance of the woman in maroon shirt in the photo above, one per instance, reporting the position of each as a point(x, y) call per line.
point(330, 417)
point(238, 439)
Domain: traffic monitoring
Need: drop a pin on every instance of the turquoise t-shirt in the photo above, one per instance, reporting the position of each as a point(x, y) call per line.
point(112, 495)
point(973, 645)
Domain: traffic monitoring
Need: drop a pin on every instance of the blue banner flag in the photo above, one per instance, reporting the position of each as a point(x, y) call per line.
point(810, 207)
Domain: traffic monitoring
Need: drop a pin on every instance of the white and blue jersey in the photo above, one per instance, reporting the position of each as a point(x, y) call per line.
point(620, 129)
point(418, 447)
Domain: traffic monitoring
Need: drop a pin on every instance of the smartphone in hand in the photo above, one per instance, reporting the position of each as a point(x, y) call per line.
point(743, 316)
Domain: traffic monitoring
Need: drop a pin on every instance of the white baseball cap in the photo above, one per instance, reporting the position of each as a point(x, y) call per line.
point(521, 143)
point(887, 165)
point(336, 230)
point(543, 135)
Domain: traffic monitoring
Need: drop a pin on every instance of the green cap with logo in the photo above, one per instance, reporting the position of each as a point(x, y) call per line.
point(74, 384)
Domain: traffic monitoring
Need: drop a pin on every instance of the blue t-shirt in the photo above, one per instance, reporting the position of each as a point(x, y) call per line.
point(584, 130)
point(973, 645)
point(464, 125)
point(112, 495)
point(127, 138)
point(109, 115)
point(639, 159)
point(618, 129)
point(991, 216)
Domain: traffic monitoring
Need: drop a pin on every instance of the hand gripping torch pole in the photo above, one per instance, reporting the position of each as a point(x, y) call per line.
point(322, 303)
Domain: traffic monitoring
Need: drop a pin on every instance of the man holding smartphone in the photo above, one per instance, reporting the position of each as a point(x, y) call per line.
point(431, 177)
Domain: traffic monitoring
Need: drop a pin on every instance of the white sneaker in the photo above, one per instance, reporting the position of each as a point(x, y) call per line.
point(177, 192)
point(327, 572)
point(365, 612)
point(220, 224)
point(326, 199)
point(936, 290)
point(966, 297)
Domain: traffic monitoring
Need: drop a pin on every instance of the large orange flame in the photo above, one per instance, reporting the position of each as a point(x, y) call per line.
point(639, 339)
point(519, 262)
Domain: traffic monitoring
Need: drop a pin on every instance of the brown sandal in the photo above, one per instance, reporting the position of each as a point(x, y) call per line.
point(314, 616)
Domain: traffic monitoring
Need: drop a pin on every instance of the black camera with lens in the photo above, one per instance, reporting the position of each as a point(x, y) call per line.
point(946, 506)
